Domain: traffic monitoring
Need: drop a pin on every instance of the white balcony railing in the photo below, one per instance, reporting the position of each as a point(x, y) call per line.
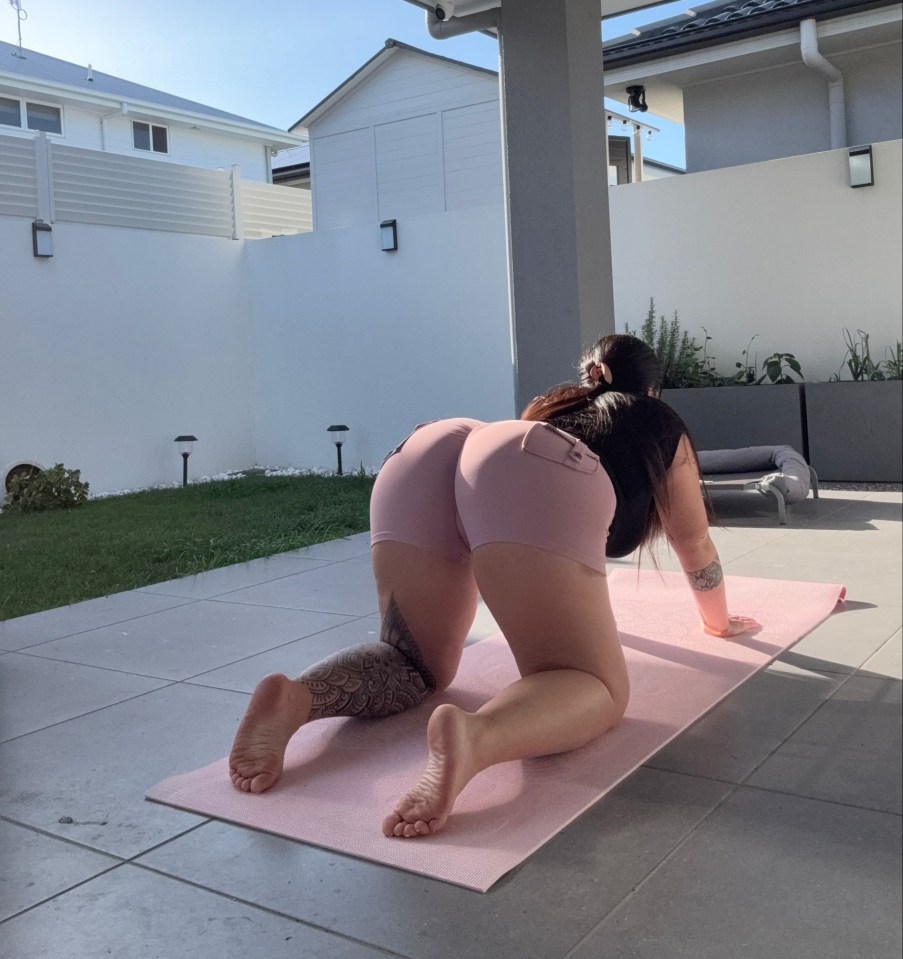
point(56, 182)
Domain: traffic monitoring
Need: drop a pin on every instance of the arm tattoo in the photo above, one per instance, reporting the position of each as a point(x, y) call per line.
point(372, 680)
point(705, 579)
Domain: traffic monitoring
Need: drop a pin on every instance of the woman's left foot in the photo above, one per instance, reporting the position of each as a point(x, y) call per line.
point(424, 810)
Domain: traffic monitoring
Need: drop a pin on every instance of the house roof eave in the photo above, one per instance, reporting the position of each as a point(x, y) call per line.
point(108, 102)
point(666, 77)
point(631, 50)
point(375, 62)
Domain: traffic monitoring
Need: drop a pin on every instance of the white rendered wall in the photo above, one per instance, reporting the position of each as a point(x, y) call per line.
point(345, 333)
point(126, 338)
point(785, 249)
point(121, 341)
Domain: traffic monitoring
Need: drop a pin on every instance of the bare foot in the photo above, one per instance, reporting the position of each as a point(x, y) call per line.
point(277, 709)
point(424, 810)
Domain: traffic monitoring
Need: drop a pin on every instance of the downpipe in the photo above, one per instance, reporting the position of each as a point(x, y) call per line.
point(837, 110)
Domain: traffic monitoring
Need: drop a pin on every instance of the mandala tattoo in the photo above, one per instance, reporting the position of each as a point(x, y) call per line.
point(705, 579)
point(372, 680)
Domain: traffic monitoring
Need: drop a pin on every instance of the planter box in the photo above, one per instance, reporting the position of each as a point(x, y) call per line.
point(730, 417)
point(855, 431)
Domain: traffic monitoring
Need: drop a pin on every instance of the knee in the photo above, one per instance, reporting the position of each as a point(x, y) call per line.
point(443, 675)
point(620, 697)
point(618, 688)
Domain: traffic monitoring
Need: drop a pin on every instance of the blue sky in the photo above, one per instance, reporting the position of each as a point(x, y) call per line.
point(269, 61)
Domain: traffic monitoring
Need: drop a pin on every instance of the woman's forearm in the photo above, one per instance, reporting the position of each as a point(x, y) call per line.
point(709, 593)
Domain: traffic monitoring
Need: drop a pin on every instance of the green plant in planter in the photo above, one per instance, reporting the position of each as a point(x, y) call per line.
point(858, 358)
point(893, 365)
point(686, 363)
point(776, 369)
point(747, 371)
point(54, 488)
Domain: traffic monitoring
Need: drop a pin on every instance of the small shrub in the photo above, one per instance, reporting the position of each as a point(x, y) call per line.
point(54, 488)
point(893, 365)
point(858, 358)
point(684, 362)
point(776, 367)
point(860, 365)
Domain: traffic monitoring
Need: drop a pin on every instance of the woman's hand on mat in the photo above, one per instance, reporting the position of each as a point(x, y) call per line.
point(735, 626)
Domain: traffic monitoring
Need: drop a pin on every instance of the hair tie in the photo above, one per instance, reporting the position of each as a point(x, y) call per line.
point(600, 371)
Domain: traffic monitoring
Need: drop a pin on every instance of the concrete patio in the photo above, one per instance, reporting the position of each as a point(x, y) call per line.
point(769, 830)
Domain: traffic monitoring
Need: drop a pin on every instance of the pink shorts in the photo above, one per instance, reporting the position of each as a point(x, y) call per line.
point(457, 484)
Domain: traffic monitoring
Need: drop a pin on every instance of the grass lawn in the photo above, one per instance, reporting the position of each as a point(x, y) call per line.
point(123, 542)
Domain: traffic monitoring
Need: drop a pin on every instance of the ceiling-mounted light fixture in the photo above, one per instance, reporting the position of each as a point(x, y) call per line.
point(636, 99)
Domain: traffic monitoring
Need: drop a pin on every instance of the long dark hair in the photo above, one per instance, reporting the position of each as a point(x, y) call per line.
point(595, 409)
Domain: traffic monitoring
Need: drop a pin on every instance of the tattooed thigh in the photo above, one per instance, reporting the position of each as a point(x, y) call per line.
point(706, 579)
point(372, 680)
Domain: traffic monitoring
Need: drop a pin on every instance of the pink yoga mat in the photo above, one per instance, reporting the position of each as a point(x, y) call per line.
point(343, 776)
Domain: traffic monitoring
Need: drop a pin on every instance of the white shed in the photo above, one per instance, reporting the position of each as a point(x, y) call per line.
point(409, 133)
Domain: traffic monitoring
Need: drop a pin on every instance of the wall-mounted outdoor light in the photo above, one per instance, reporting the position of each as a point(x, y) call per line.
point(636, 99)
point(41, 238)
point(388, 236)
point(186, 444)
point(862, 173)
point(337, 434)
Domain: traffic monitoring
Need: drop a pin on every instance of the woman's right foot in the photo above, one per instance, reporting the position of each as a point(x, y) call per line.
point(452, 764)
point(278, 708)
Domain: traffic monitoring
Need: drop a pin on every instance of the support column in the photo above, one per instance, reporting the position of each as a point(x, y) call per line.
point(556, 180)
point(637, 155)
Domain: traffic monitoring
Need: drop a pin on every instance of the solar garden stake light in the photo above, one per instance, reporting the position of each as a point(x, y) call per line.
point(185, 445)
point(337, 433)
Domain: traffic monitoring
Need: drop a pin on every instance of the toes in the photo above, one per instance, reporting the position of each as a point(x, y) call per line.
point(394, 825)
point(261, 782)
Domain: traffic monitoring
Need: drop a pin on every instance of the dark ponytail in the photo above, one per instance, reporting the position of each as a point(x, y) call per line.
point(627, 405)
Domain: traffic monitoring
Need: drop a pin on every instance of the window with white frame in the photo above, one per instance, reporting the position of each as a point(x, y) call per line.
point(150, 137)
point(30, 115)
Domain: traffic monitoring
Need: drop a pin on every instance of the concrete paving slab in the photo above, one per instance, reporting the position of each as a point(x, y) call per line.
point(227, 579)
point(768, 875)
point(94, 770)
point(133, 913)
point(25, 631)
point(847, 752)
point(37, 867)
point(342, 587)
point(188, 640)
point(37, 693)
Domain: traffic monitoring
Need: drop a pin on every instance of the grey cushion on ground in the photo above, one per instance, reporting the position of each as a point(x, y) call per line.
point(782, 467)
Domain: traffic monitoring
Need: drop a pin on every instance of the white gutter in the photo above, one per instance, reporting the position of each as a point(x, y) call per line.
point(442, 29)
point(121, 112)
point(837, 110)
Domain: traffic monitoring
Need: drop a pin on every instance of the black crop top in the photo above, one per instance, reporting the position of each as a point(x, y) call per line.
point(621, 456)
